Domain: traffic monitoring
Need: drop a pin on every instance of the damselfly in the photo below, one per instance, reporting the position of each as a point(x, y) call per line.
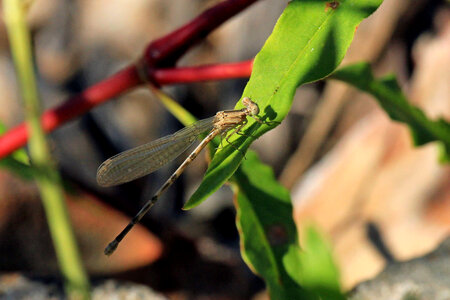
point(144, 159)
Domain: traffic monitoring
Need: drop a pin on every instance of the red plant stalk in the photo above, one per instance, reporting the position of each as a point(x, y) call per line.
point(162, 52)
point(203, 73)
point(73, 107)
point(165, 51)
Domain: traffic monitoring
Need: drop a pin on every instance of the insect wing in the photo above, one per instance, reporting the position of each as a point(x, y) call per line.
point(145, 159)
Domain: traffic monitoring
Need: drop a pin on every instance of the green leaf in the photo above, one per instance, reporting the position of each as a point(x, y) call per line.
point(269, 239)
point(308, 42)
point(390, 97)
point(267, 230)
point(320, 274)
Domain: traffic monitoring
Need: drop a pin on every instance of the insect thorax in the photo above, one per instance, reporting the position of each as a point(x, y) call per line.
point(229, 119)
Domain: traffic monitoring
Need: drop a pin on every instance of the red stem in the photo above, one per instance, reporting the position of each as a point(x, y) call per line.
point(114, 86)
point(73, 107)
point(203, 73)
point(162, 52)
point(165, 51)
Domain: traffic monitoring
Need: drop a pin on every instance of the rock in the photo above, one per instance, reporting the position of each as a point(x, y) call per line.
point(423, 278)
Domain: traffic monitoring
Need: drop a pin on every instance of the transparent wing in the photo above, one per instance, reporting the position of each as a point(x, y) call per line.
point(145, 159)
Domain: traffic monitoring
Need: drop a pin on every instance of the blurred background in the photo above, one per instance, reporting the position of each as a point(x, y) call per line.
point(350, 169)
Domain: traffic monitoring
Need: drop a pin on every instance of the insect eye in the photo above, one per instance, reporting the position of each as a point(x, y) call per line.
point(251, 106)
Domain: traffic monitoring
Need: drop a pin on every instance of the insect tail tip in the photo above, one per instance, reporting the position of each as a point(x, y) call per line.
point(111, 248)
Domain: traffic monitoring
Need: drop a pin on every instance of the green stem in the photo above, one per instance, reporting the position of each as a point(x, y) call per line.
point(48, 179)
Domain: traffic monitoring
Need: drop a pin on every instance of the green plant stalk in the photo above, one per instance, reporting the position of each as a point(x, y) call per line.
point(48, 179)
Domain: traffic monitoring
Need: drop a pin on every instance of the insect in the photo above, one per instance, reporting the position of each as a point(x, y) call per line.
point(147, 158)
